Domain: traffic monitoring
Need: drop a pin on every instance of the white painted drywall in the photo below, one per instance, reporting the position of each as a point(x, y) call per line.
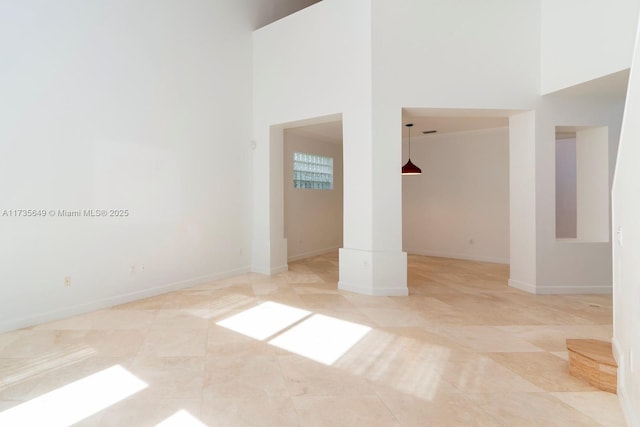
point(459, 206)
point(317, 63)
point(570, 266)
point(626, 252)
point(583, 40)
point(144, 106)
point(566, 185)
point(522, 200)
point(458, 54)
point(312, 218)
point(593, 184)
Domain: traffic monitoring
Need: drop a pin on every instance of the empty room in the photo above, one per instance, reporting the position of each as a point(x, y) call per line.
point(319, 213)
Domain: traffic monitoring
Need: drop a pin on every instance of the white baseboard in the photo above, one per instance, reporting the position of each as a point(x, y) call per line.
point(313, 253)
point(630, 413)
point(571, 290)
point(523, 286)
point(615, 346)
point(467, 257)
point(49, 316)
point(559, 290)
point(376, 292)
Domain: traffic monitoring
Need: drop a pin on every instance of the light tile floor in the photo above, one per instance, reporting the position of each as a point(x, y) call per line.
point(291, 350)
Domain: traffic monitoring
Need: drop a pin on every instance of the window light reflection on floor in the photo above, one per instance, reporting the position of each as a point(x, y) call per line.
point(321, 338)
point(33, 368)
point(181, 419)
point(76, 401)
point(264, 320)
point(315, 336)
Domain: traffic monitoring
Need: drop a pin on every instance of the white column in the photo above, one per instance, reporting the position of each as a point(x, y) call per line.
point(269, 247)
point(522, 201)
point(372, 261)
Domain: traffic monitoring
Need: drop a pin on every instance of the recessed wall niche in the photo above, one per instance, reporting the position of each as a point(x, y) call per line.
point(582, 183)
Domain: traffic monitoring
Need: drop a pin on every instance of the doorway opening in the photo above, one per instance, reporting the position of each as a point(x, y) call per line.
point(313, 189)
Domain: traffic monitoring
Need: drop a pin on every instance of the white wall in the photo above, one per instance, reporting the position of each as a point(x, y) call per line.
point(566, 186)
point(583, 40)
point(458, 54)
point(141, 105)
point(565, 266)
point(296, 78)
point(626, 252)
point(522, 198)
point(593, 184)
point(312, 218)
point(317, 63)
point(459, 206)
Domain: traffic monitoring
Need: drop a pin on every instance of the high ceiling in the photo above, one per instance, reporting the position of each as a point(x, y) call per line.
point(613, 86)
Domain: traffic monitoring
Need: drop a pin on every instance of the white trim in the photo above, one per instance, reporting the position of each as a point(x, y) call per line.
point(523, 286)
point(376, 292)
point(310, 254)
point(62, 313)
point(559, 290)
point(628, 410)
point(457, 256)
point(571, 290)
point(617, 354)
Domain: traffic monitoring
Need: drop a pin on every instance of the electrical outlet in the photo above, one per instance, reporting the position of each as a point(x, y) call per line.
point(67, 281)
point(132, 269)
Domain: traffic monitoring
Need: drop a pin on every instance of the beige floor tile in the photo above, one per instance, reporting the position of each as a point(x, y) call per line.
point(169, 377)
point(246, 378)
point(390, 317)
point(487, 339)
point(332, 301)
point(115, 343)
point(553, 337)
point(446, 410)
point(43, 343)
point(257, 412)
point(142, 413)
point(120, 319)
point(545, 370)
point(345, 411)
point(182, 319)
point(25, 379)
point(175, 342)
point(601, 406)
point(483, 375)
point(529, 410)
point(463, 349)
point(305, 377)
point(222, 342)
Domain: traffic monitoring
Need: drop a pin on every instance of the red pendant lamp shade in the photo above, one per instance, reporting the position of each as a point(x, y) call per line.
point(409, 168)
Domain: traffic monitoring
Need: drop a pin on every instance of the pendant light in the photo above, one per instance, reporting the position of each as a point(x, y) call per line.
point(409, 168)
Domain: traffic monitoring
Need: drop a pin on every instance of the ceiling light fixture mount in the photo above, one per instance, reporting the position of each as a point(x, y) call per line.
point(409, 168)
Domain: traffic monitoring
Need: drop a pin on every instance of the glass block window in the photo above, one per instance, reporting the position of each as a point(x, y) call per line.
point(312, 171)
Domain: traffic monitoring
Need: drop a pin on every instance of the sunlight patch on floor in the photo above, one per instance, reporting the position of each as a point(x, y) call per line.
point(321, 338)
point(315, 336)
point(76, 401)
point(181, 418)
point(264, 320)
point(403, 363)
